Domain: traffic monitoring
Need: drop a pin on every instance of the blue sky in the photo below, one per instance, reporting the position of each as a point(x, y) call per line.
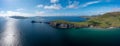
point(57, 7)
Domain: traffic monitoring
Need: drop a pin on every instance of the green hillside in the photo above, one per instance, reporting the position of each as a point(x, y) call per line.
point(106, 20)
point(102, 21)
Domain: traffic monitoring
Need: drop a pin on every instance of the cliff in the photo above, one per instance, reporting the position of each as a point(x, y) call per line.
point(106, 20)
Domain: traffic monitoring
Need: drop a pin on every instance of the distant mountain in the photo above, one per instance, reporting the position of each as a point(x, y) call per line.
point(19, 17)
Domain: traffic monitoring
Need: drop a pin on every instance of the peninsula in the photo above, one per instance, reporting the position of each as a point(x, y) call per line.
point(107, 20)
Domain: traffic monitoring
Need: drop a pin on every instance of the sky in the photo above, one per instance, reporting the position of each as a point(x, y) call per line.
point(57, 7)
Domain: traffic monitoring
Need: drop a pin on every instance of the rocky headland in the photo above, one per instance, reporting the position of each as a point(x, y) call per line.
point(107, 20)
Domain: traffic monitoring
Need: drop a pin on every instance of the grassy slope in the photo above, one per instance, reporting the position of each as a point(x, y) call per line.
point(108, 20)
point(103, 21)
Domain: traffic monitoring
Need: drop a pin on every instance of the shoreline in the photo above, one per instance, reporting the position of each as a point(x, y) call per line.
point(68, 26)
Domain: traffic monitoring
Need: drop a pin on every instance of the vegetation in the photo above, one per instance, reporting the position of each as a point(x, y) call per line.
point(102, 21)
point(107, 20)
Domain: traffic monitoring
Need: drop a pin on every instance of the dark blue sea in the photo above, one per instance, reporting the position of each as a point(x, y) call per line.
point(21, 32)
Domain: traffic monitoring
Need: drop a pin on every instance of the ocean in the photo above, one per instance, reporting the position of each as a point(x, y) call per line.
point(21, 32)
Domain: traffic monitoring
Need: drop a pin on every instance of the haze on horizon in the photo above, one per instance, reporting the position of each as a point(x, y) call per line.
point(57, 7)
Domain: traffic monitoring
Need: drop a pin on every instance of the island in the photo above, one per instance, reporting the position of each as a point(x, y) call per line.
point(107, 20)
point(19, 17)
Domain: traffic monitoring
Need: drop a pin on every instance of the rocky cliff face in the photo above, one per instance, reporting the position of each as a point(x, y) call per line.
point(61, 25)
point(65, 25)
point(106, 20)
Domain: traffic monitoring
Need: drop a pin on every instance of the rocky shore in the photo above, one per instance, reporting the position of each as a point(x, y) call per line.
point(107, 20)
point(61, 25)
point(65, 25)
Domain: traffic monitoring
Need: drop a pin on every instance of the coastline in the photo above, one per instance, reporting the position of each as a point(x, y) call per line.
point(68, 26)
point(107, 21)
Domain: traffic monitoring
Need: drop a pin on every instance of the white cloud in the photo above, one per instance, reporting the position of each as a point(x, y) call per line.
point(40, 13)
point(54, 7)
point(116, 10)
point(40, 6)
point(20, 9)
point(90, 3)
point(50, 7)
point(75, 4)
point(54, 1)
point(13, 13)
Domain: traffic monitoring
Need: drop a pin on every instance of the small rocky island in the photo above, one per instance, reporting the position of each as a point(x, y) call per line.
point(107, 20)
point(19, 17)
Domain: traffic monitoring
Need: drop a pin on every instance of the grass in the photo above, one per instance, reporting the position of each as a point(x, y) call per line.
point(102, 21)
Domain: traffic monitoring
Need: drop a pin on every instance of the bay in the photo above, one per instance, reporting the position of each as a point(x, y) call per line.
point(24, 33)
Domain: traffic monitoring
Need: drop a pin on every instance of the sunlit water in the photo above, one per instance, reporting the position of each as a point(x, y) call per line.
point(10, 35)
point(21, 32)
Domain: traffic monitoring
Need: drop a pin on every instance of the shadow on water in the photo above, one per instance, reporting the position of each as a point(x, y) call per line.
point(91, 37)
point(38, 34)
point(41, 34)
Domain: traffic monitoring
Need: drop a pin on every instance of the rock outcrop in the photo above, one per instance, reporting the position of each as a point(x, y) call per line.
point(61, 25)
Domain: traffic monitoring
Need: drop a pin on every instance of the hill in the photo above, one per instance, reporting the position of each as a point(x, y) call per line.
point(107, 20)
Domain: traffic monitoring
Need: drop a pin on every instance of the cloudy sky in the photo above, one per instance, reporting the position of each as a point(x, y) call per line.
point(57, 7)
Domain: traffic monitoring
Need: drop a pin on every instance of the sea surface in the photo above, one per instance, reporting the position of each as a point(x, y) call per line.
point(21, 32)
